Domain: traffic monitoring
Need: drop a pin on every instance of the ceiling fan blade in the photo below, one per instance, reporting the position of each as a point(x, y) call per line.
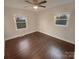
point(28, 2)
point(43, 2)
point(42, 6)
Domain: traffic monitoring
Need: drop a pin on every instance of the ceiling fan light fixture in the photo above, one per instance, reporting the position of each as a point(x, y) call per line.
point(35, 7)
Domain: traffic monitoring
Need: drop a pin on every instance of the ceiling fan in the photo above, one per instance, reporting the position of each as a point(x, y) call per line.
point(36, 4)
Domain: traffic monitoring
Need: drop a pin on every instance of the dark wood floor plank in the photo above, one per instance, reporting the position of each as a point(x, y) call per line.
point(38, 46)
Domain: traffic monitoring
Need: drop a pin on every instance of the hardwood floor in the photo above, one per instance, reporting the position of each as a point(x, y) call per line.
point(38, 46)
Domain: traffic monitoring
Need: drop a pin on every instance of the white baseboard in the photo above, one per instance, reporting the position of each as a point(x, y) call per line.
point(58, 37)
point(41, 32)
point(18, 35)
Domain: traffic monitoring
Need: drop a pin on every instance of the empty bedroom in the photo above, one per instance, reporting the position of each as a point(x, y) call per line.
point(39, 29)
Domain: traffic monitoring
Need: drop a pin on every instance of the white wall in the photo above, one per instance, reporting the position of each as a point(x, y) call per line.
point(42, 21)
point(10, 29)
point(47, 25)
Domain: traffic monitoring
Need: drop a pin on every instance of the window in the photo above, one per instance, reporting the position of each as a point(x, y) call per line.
point(62, 19)
point(21, 22)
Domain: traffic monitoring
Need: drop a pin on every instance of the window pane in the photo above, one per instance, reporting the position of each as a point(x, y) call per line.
point(21, 25)
point(61, 22)
point(20, 21)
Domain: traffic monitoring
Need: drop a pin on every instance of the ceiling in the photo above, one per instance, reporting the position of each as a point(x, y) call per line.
point(23, 5)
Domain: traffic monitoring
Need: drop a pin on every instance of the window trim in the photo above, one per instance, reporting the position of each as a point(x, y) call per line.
point(26, 21)
point(66, 13)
